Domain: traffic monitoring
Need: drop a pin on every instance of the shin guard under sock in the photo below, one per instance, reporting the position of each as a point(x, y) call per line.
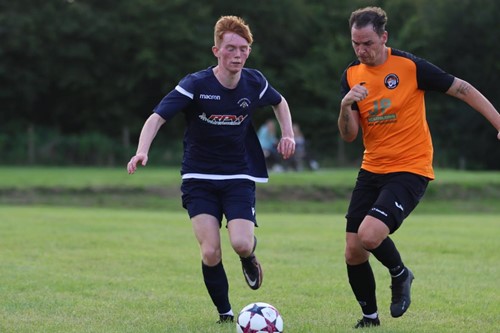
point(217, 286)
point(362, 283)
point(389, 256)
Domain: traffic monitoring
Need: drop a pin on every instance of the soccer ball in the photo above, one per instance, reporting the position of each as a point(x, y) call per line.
point(259, 318)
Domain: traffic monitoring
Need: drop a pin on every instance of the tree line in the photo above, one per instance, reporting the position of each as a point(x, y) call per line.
point(79, 77)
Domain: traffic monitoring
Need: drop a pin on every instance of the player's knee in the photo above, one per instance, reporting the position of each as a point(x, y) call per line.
point(351, 258)
point(211, 256)
point(372, 232)
point(354, 255)
point(243, 247)
point(369, 240)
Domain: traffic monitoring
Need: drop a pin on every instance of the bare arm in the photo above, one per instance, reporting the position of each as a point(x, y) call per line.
point(286, 145)
point(148, 133)
point(470, 95)
point(348, 121)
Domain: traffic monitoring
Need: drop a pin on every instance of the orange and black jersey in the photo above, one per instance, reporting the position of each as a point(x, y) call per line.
point(396, 136)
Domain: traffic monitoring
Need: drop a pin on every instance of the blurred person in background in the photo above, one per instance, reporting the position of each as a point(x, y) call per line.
point(302, 158)
point(269, 141)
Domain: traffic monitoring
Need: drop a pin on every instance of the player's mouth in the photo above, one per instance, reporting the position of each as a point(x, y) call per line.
point(364, 59)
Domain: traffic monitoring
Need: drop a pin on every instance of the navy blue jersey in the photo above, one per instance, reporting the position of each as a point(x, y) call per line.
point(220, 141)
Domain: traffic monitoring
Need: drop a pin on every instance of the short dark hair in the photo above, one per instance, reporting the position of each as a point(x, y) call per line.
point(369, 15)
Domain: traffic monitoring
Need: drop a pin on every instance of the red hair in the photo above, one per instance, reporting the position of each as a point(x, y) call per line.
point(233, 24)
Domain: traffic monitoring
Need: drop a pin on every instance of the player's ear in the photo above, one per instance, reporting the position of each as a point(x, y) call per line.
point(215, 51)
point(385, 36)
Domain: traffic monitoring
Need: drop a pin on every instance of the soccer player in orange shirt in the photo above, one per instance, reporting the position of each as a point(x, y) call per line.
point(383, 94)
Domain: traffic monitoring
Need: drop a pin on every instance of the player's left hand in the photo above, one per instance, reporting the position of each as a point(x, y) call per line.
point(286, 147)
point(498, 136)
point(141, 159)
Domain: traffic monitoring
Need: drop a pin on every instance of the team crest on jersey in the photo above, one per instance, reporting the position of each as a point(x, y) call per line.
point(244, 103)
point(391, 81)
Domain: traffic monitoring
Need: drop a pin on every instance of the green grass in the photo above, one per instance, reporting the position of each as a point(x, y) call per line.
point(79, 177)
point(81, 269)
point(85, 177)
point(325, 191)
point(93, 177)
point(97, 250)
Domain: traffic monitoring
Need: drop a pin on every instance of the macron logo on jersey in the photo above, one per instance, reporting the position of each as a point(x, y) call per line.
point(210, 97)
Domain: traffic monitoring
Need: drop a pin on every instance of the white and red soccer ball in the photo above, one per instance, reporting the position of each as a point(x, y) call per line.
point(259, 317)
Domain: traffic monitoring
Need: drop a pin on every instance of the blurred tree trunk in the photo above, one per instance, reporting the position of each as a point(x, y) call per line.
point(126, 138)
point(31, 144)
point(341, 158)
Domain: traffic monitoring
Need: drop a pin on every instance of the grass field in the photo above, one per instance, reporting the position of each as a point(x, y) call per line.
point(94, 177)
point(96, 250)
point(117, 270)
point(325, 191)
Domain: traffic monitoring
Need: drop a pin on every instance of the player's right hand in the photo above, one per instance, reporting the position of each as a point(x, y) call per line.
point(356, 94)
point(139, 158)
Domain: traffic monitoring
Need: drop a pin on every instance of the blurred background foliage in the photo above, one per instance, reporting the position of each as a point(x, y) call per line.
point(79, 77)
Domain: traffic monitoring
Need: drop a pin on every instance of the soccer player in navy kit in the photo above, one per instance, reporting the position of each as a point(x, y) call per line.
point(222, 155)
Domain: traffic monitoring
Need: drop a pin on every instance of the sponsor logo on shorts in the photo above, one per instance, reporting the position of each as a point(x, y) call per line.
point(379, 211)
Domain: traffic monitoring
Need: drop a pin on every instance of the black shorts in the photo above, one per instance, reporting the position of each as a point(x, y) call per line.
point(388, 197)
point(233, 198)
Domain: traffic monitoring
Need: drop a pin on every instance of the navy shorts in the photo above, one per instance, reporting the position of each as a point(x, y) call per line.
point(388, 197)
point(234, 198)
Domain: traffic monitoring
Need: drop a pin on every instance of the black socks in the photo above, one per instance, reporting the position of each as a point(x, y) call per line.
point(362, 283)
point(362, 280)
point(389, 256)
point(217, 286)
